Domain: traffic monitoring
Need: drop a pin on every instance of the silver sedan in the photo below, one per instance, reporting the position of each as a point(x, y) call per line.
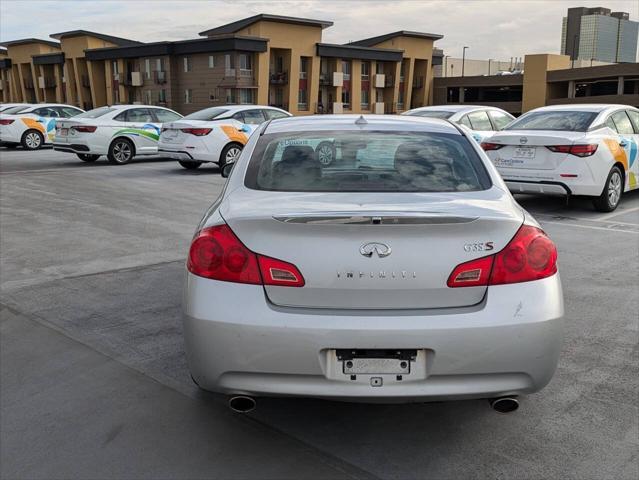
point(403, 271)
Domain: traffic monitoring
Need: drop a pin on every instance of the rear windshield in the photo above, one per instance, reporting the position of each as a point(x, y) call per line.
point(12, 110)
point(95, 113)
point(555, 120)
point(347, 161)
point(207, 114)
point(431, 114)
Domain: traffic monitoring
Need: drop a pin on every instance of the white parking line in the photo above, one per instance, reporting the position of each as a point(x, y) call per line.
point(616, 214)
point(585, 219)
point(591, 227)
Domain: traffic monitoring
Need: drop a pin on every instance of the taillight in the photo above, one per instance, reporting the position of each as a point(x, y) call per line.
point(530, 255)
point(198, 132)
point(6, 121)
point(490, 146)
point(578, 150)
point(85, 128)
point(218, 254)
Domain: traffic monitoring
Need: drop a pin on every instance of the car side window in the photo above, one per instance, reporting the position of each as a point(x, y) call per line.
point(622, 121)
point(465, 122)
point(611, 124)
point(121, 117)
point(254, 117)
point(500, 119)
point(163, 115)
point(634, 118)
point(272, 114)
point(239, 117)
point(139, 115)
point(480, 121)
point(68, 112)
point(46, 112)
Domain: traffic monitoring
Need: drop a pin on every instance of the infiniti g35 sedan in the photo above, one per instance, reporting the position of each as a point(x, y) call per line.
point(403, 271)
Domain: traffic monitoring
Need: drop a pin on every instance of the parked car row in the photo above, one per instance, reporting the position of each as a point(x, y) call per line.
point(588, 150)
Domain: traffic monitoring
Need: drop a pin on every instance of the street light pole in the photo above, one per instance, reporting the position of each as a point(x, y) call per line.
point(463, 60)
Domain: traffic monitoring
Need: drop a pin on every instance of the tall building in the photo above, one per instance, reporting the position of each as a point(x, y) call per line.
point(599, 34)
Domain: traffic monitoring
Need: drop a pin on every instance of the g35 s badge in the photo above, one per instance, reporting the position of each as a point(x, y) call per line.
point(478, 247)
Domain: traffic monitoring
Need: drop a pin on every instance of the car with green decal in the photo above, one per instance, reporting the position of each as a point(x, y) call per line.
point(120, 132)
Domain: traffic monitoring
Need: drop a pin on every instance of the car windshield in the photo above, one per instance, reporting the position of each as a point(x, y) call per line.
point(207, 114)
point(374, 161)
point(567, 121)
point(431, 114)
point(13, 110)
point(95, 113)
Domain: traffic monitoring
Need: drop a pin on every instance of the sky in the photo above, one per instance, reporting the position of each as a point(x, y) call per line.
point(497, 29)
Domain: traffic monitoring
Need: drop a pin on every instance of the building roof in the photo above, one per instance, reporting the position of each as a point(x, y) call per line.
point(234, 27)
point(362, 53)
point(369, 42)
point(56, 58)
point(26, 41)
point(119, 41)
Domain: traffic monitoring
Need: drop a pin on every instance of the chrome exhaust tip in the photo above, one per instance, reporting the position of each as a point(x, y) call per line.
point(241, 404)
point(504, 404)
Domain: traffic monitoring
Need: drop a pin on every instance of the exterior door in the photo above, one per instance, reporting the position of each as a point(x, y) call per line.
point(143, 129)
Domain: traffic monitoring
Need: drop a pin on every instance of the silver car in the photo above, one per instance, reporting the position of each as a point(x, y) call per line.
point(403, 271)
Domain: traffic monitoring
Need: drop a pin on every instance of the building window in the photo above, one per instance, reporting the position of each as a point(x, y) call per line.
point(211, 61)
point(246, 95)
point(115, 67)
point(214, 95)
point(159, 67)
point(365, 99)
point(303, 67)
point(346, 69)
point(187, 64)
point(229, 65)
point(148, 100)
point(379, 68)
point(162, 96)
point(245, 62)
point(302, 99)
point(366, 70)
point(188, 96)
point(147, 68)
point(116, 96)
point(230, 96)
point(346, 98)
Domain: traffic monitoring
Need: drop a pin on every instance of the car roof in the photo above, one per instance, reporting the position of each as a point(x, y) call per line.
point(122, 106)
point(239, 108)
point(44, 105)
point(453, 108)
point(583, 107)
point(361, 122)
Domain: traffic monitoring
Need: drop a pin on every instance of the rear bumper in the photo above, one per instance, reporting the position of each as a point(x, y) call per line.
point(544, 188)
point(184, 155)
point(71, 147)
point(507, 345)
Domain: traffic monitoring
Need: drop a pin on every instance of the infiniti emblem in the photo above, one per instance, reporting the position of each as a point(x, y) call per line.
point(381, 249)
point(523, 140)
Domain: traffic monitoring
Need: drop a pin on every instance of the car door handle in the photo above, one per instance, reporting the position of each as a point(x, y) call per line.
point(623, 143)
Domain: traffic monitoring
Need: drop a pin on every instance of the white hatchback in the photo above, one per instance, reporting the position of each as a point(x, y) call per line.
point(120, 132)
point(216, 134)
point(481, 120)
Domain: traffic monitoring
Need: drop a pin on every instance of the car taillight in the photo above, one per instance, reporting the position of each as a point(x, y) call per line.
point(85, 128)
point(218, 254)
point(530, 255)
point(6, 121)
point(490, 146)
point(578, 150)
point(198, 132)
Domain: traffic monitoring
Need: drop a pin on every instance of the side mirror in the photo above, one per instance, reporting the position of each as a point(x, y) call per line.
point(226, 169)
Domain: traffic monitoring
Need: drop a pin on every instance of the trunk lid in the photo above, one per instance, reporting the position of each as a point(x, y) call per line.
point(527, 148)
point(64, 133)
point(323, 234)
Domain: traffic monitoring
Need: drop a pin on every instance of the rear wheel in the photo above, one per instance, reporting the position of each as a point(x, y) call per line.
point(230, 153)
point(190, 165)
point(325, 153)
point(611, 195)
point(86, 157)
point(32, 140)
point(121, 151)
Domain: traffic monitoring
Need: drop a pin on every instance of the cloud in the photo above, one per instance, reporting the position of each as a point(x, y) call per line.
point(491, 28)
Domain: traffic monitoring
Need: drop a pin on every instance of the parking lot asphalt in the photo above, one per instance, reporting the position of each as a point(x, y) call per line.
point(93, 378)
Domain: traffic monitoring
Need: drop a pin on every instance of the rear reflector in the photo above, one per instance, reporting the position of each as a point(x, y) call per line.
point(198, 132)
point(487, 146)
point(577, 150)
point(6, 121)
point(530, 255)
point(85, 128)
point(218, 254)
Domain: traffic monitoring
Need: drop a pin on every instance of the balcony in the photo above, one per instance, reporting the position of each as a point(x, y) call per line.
point(279, 78)
point(136, 79)
point(246, 73)
point(159, 77)
point(380, 80)
point(325, 80)
point(302, 107)
point(338, 79)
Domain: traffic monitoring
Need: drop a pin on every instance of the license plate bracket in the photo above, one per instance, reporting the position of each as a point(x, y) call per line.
point(524, 152)
point(376, 361)
point(64, 132)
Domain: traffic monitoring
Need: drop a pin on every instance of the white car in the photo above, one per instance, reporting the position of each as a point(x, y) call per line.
point(482, 121)
point(33, 125)
point(216, 134)
point(6, 106)
point(120, 132)
point(568, 150)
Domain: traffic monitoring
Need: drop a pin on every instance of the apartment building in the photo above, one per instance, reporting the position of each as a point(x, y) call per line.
point(266, 59)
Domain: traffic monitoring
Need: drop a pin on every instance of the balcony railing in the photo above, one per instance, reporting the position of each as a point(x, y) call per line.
point(279, 78)
point(303, 75)
point(302, 106)
point(246, 73)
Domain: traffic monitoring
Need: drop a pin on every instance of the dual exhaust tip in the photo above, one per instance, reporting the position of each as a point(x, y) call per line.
point(245, 404)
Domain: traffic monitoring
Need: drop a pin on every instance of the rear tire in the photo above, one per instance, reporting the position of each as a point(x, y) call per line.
point(32, 140)
point(325, 153)
point(230, 154)
point(613, 189)
point(121, 151)
point(190, 165)
point(86, 157)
